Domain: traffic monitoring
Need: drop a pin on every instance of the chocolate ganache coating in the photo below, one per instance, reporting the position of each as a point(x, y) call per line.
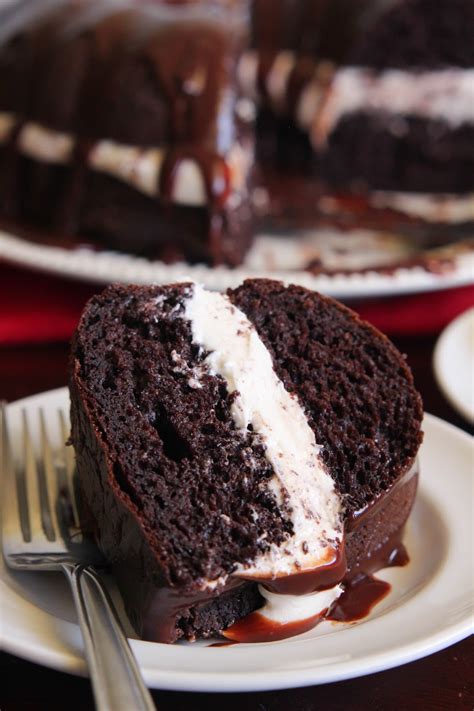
point(146, 419)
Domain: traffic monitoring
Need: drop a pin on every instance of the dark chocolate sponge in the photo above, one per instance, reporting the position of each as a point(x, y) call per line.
point(357, 391)
point(419, 33)
point(322, 29)
point(364, 153)
point(168, 486)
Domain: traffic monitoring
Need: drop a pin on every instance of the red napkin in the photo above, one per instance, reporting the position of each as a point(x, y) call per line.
point(38, 308)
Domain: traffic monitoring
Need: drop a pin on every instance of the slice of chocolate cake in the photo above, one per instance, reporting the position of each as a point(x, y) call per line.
point(241, 451)
point(397, 125)
point(118, 123)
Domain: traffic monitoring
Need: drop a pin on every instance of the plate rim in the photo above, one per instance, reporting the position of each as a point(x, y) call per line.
point(278, 678)
point(86, 265)
point(454, 328)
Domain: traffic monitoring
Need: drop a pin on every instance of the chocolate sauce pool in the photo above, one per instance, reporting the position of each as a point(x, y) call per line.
point(361, 593)
point(257, 628)
point(359, 597)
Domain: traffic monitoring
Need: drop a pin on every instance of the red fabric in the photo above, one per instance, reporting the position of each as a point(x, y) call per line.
point(416, 314)
point(36, 308)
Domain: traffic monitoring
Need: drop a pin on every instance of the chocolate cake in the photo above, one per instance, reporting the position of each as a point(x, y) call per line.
point(119, 123)
point(130, 125)
point(397, 124)
point(370, 99)
point(239, 452)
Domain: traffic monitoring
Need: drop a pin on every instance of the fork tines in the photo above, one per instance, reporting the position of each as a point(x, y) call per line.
point(38, 501)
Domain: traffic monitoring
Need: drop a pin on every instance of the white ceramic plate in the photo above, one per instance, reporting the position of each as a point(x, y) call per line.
point(453, 364)
point(430, 605)
point(273, 257)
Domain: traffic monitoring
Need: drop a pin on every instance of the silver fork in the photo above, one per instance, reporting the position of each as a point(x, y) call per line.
point(40, 531)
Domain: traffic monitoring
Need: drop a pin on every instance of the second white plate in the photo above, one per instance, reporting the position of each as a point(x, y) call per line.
point(453, 364)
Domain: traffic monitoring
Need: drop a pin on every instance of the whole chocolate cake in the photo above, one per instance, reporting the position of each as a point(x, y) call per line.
point(119, 123)
point(254, 450)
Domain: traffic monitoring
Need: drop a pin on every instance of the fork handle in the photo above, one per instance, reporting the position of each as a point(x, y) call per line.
point(116, 679)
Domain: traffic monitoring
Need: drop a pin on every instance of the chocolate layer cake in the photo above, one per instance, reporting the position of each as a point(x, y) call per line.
point(254, 450)
point(118, 123)
point(397, 125)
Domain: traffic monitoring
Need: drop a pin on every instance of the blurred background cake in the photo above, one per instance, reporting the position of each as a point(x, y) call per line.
point(397, 124)
point(131, 124)
point(118, 122)
point(365, 98)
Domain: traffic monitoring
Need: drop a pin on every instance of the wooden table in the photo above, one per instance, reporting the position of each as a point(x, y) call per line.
point(442, 681)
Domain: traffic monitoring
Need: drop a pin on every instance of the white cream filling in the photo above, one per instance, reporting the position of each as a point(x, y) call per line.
point(279, 76)
point(308, 104)
point(300, 482)
point(292, 608)
point(136, 166)
point(446, 95)
point(45, 145)
point(247, 74)
point(430, 207)
point(141, 168)
point(7, 122)
point(312, 95)
point(189, 187)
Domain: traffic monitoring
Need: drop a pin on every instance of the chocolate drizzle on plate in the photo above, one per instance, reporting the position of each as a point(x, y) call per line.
point(359, 597)
point(362, 591)
point(257, 628)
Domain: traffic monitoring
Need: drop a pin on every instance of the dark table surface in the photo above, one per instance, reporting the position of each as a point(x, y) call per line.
point(442, 681)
